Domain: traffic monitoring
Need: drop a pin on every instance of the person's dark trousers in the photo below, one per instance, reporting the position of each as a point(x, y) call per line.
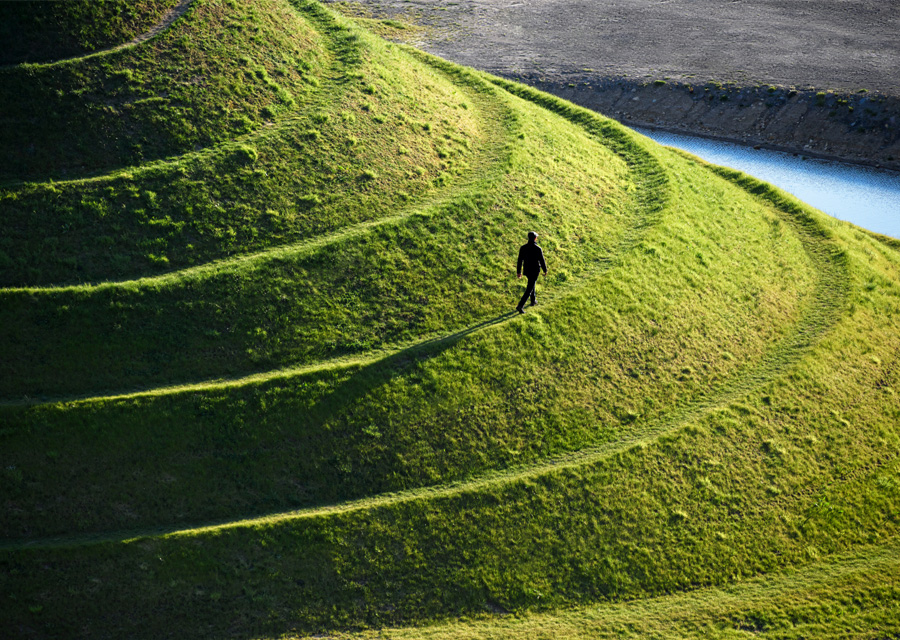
point(529, 290)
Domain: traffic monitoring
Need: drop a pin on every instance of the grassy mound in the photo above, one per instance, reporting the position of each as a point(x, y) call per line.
point(223, 69)
point(39, 31)
point(319, 412)
point(314, 170)
point(826, 599)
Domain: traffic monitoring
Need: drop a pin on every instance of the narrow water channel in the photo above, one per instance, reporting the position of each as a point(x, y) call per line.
point(864, 196)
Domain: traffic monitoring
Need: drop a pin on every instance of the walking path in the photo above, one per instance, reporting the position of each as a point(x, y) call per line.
point(174, 13)
point(823, 311)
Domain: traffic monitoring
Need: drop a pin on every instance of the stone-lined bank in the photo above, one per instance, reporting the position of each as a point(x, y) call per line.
point(858, 127)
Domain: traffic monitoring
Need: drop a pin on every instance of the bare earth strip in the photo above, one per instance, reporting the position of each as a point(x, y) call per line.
point(829, 44)
point(166, 22)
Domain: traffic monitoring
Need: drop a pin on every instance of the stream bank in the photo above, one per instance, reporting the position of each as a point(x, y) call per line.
point(861, 127)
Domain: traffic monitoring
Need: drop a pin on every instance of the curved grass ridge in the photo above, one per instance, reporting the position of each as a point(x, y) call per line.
point(484, 170)
point(431, 345)
point(488, 158)
point(654, 204)
point(175, 90)
point(165, 21)
point(73, 38)
point(253, 262)
point(824, 310)
point(260, 190)
point(652, 195)
point(850, 594)
point(477, 499)
point(735, 475)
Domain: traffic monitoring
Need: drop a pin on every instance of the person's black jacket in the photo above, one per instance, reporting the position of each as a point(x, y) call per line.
point(532, 259)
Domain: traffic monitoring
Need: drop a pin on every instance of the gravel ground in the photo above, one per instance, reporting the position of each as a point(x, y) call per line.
point(843, 45)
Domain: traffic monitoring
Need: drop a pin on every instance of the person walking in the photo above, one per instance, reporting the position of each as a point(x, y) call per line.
point(531, 262)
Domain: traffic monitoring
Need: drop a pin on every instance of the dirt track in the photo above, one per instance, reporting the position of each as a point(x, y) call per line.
point(835, 46)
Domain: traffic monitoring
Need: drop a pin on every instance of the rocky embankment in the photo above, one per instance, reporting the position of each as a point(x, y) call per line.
point(861, 127)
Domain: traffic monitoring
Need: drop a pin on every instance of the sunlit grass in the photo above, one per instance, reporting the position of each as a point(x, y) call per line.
point(328, 419)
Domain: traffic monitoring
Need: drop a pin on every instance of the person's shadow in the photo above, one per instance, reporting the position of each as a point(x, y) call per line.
point(380, 372)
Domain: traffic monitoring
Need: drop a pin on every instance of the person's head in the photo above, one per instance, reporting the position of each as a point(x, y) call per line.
point(532, 236)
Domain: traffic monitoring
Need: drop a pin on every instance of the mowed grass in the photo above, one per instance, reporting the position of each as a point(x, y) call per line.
point(693, 434)
point(741, 489)
point(383, 423)
point(224, 69)
point(379, 136)
point(850, 596)
point(380, 285)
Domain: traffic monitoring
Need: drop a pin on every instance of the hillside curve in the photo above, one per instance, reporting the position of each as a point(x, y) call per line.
point(814, 79)
point(344, 425)
point(47, 33)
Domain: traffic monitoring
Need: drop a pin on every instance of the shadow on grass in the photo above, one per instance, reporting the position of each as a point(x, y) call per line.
point(233, 459)
point(381, 372)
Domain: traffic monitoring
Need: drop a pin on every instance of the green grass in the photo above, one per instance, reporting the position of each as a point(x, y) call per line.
point(219, 72)
point(849, 596)
point(303, 176)
point(330, 420)
point(647, 368)
point(48, 31)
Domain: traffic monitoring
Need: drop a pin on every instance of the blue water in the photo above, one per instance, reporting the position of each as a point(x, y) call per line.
point(866, 197)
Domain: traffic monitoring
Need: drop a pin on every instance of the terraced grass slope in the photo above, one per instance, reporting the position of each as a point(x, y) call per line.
point(266, 380)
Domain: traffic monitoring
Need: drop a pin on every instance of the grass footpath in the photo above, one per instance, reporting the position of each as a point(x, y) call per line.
point(448, 426)
point(312, 171)
point(182, 90)
point(341, 428)
point(850, 596)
